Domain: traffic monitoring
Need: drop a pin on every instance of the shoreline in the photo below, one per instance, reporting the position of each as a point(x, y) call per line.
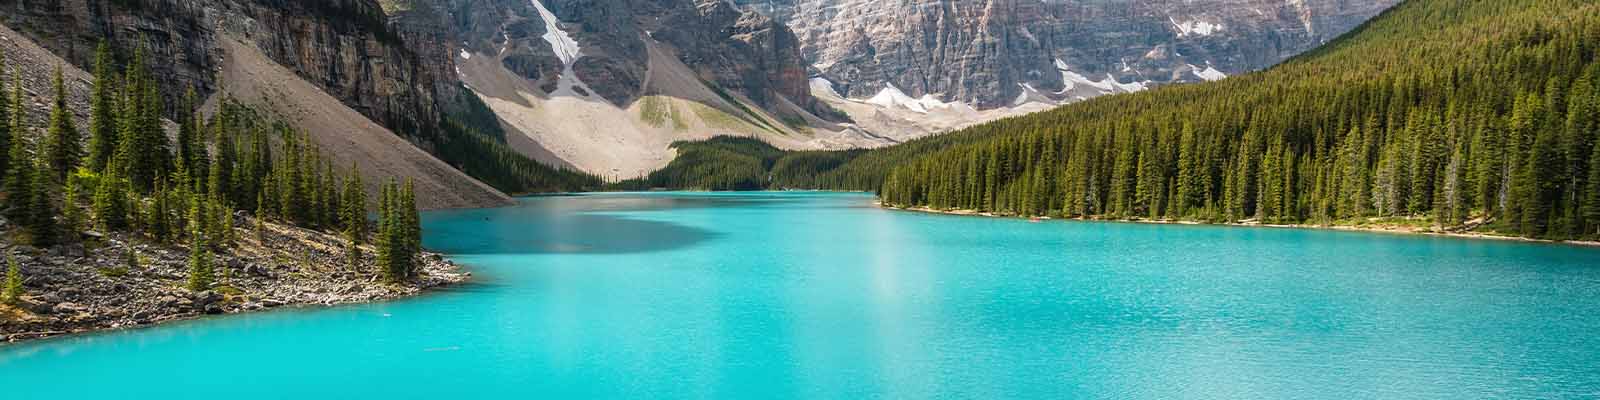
point(453, 279)
point(86, 289)
point(1384, 229)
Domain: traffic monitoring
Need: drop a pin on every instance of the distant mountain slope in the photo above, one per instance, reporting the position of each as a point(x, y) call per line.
point(607, 86)
point(1441, 114)
point(1447, 113)
point(1001, 53)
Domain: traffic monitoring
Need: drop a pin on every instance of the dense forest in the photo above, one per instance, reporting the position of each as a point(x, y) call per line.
point(1459, 114)
point(129, 176)
point(737, 163)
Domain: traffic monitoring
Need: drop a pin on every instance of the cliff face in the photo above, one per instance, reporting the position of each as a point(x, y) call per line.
point(604, 44)
point(993, 53)
point(344, 46)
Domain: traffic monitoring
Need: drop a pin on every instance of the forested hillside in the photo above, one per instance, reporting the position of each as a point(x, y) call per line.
point(738, 163)
point(1457, 113)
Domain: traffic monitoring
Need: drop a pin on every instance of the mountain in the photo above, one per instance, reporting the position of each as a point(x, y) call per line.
point(370, 86)
point(1006, 53)
point(607, 86)
point(1439, 114)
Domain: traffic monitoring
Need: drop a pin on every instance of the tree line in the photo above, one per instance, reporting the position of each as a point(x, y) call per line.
point(1457, 113)
point(738, 163)
point(129, 176)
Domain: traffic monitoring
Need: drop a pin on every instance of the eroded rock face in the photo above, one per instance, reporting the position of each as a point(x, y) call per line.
point(347, 47)
point(984, 52)
point(732, 48)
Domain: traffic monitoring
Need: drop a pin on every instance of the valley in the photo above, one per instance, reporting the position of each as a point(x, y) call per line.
point(776, 198)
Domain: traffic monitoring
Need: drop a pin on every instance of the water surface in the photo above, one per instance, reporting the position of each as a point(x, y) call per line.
point(822, 296)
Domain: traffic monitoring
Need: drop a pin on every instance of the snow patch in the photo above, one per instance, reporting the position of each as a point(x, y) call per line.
point(566, 49)
point(893, 97)
point(1125, 87)
point(1196, 27)
point(1208, 74)
point(564, 46)
point(820, 85)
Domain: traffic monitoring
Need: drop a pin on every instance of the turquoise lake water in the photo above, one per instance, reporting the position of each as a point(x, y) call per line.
point(823, 296)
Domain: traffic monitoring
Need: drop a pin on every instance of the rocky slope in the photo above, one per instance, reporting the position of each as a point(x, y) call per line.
point(1001, 53)
point(607, 86)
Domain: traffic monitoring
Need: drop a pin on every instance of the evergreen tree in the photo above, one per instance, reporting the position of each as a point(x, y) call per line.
point(13, 287)
point(41, 223)
point(63, 144)
point(354, 203)
point(111, 202)
point(388, 262)
point(201, 274)
point(72, 218)
point(1592, 199)
point(19, 174)
point(102, 112)
point(6, 111)
point(413, 221)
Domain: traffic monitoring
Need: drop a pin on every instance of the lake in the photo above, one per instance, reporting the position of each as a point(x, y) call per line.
point(824, 296)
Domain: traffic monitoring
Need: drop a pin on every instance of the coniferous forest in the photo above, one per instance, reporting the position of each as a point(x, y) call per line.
point(1450, 113)
point(125, 174)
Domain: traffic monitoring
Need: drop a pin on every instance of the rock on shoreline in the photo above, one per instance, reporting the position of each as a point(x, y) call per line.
point(87, 287)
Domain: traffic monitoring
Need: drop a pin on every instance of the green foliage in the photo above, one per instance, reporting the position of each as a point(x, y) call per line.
point(1406, 117)
point(102, 111)
point(63, 145)
point(201, 273)
point(1444, 111)
point(143, 151)
point(399, 239)
point(738, 163)
point(12, 292)
point(503, 168)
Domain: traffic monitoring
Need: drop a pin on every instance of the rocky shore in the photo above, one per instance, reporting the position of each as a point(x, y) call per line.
point(91, 285)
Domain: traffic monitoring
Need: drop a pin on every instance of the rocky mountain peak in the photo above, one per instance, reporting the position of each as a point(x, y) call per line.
point(1001, 53)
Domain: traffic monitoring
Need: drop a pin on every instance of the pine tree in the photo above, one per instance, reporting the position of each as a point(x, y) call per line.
point(201, 274)
point(143, 149)
point(6, 112)
point(72, 218)
point(102, 112)
point(111, 202)
point(1592, 199)
point(62, 148)
point(1542, 185)
point(386, 240)
point(352, 251)
point(41, 223)
point(19, 174)
point(13, 288)
point(355, 207)
point(413, 221)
